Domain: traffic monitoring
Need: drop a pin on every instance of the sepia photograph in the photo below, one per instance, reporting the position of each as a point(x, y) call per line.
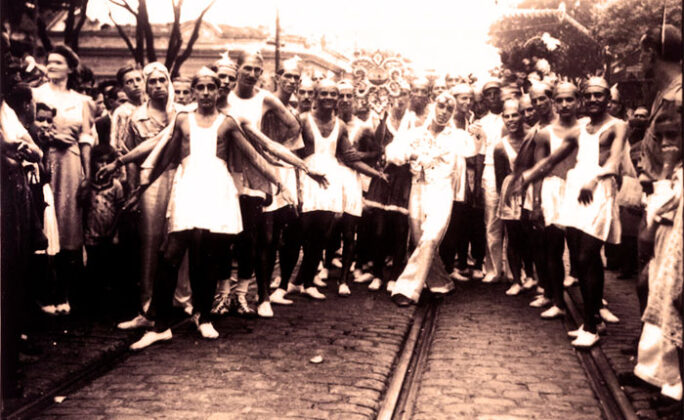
point(269, 209)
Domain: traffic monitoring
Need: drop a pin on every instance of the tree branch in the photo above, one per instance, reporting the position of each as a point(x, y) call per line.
point(69, 23)
point(175, 39)
point(124, 4)
point(42, 33)
point(123, 36)
point(191, 42)
point(79, 25)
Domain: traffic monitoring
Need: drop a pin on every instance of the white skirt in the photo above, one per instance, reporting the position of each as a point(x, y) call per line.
point(204, 196)
point(352, 191)
point(601, 217)
point(314, 196)
point(288, 177)
point(552, 195)
point(511, 210)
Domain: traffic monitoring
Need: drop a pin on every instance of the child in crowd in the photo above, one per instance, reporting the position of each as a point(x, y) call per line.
point(102, 206)
point(49, 293)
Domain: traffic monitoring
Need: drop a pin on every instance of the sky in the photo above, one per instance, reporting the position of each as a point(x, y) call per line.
point(434, 34)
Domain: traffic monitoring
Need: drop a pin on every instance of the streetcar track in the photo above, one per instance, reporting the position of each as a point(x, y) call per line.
point(79, 379)
point(613, 401)
point(402, 390)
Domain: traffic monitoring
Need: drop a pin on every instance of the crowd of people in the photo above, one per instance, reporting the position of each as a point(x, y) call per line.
point(183, 191)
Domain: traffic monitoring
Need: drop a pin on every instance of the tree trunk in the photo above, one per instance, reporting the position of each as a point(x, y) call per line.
point(175, 39)
point(191, 42)
point(69, 23)
point(147, 30)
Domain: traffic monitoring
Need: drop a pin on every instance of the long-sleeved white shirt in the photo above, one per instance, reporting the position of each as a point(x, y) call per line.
point(435, 156)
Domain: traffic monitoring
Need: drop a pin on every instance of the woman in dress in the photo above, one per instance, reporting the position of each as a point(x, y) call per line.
point(68, 162)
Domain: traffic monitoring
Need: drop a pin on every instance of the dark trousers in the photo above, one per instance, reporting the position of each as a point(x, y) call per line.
point(284, 239)
point(612, 252)
point(554, 244)
point(536, 250)
point(316, 227)
point(390, 238)
point(455, 240)
point(573, 251)
point(204, 251)
point(477, 237)
point(364, 235)
point(343, 228)
point(129, 251)
point(251, 244)
point(334, 241)
point(590, 275)
point(516, 243)
point(526, 251)
point(102, 276)
point(349, 228)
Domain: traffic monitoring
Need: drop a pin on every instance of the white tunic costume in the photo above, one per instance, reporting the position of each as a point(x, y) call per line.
point(553, 188)
point(324, 161)
point(601, 217)
point(204, 195)
point(352, 181)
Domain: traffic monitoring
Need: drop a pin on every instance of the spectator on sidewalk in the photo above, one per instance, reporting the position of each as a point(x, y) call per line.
point(659, 360)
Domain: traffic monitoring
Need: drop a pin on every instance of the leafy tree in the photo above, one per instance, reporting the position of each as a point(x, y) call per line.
point(519, 38)
point(620, 24)
point(144, 48)
point(581, 10)
point(14, 12)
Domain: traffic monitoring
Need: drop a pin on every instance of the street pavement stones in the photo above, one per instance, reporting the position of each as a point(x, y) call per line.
point(67, 346)
point(493, 357)
point(259, 368)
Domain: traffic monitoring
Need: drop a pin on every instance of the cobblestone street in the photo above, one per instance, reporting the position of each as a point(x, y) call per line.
point(259, 368)
point(494, 357)
point(491, 356)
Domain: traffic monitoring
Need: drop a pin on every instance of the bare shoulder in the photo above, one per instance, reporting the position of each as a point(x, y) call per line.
point(181, 118)
point(270, 99)
point(342, 125)
point(228, 123)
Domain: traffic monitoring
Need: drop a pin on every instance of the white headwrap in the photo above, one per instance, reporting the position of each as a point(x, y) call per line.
point(157, 66)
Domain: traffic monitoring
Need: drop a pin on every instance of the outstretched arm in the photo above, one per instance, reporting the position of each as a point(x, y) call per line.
point(351, 157)
point(243, 145)
point(273, 147)
point(139, 153)
point(293, 128)
point(544, 166)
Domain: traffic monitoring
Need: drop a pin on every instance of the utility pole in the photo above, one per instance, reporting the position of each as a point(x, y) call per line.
point(277, 42)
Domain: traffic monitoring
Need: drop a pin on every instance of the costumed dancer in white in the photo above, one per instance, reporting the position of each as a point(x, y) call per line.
point(325, 141)
point(431, 152)
point(505, 154)
point(589, 209)
point(362, 138)
point(203, 212)
point(548, 199)
point(249, 105)
point(388, 201)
